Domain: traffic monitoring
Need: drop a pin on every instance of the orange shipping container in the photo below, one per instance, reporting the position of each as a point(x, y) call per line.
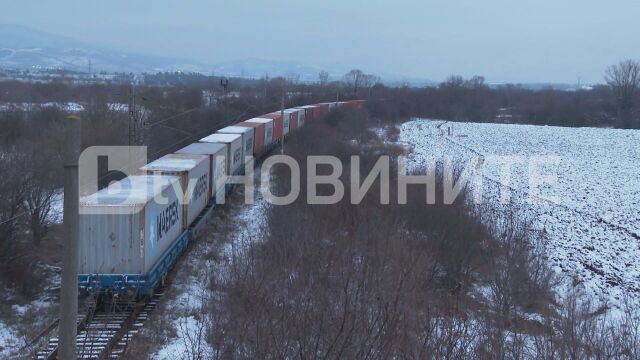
point(258, 137)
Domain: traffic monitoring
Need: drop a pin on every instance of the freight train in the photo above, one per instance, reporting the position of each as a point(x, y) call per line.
point(129, 239)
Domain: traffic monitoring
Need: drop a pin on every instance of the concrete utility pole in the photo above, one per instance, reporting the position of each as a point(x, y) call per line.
point(282, 119)
point(137, 124)
point(225, 84)
point(69, 291)
point(134, 131)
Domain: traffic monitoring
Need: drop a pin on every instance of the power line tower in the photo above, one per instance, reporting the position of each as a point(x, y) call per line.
point(133, 119)
point(137, 123)
point(225, 84)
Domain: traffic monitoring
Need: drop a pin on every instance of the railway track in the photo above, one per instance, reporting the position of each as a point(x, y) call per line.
point(106, 330)
point(106, 333)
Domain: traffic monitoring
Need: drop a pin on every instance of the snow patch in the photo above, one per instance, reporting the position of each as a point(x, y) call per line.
point(9, 342)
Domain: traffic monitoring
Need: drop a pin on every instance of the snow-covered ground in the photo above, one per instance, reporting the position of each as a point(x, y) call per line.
point(71, 107)
point(591, 228)
point(191, 286)
point(9, 341)
point(22, 321)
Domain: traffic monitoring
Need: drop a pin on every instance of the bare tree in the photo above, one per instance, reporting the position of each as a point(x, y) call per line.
point(292, 78)
point(39, 196)
point(624, 79)
point(476, 82)
point(453, 81)
point(369, 81)
point(354, 79)
point(13, 196)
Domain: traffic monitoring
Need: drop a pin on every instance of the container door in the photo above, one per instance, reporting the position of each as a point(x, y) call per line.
point(248, 144)
point(268, 133)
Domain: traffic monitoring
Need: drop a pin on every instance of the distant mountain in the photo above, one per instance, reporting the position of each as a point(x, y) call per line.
point(22, 47)
point(26, 48)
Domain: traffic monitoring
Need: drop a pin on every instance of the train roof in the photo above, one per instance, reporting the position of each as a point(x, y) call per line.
point(202, 148)
point(175, 162)
point(221, 138)
point(131, 191)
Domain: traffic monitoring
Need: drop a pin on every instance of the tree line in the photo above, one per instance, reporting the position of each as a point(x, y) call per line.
point(613, 104)
point(173, 113)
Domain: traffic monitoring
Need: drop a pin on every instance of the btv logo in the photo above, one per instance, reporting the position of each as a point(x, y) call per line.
point(101, 166)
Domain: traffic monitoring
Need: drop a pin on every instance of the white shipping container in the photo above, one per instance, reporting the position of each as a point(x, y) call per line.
point(218, 163)
point(247, 139)
point(234, 149)
point(286, 120)
point(300, 118)
point(268, 129)
point(126, 227)
point(310, 109)
point(193, 171)
point(332, 105)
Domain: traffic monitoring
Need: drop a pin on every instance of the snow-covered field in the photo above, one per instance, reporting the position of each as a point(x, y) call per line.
point(591, 229)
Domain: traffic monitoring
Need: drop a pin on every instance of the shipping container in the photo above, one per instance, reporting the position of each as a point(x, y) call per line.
point(247, 134)
point(129, 226)
point(308, 113)
point(268, 131)
point(277, 124)
point(291, 120)
point(332, 105)
point(258, 137)
point(355, 103)
point(300, 118)
point(217, 154)
point(234, 149)
point(193, 171)
point(320, 111)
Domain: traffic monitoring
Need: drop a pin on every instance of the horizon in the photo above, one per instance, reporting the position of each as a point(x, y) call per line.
point(561, 44)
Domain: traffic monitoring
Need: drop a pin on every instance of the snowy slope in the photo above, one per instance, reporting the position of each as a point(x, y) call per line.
point(592, 229)
point(8, 340)
point(185, 310)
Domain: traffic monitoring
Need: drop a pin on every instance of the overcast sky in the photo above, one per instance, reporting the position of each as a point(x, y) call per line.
point(504, 40)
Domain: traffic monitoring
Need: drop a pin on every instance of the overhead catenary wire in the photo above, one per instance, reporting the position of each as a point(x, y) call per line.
point(190, 137)
point(25, 213)
point(185, 112)
point(160, 122)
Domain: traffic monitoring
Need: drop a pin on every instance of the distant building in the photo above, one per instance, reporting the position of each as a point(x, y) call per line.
point(211, 98)
point(508, 115)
